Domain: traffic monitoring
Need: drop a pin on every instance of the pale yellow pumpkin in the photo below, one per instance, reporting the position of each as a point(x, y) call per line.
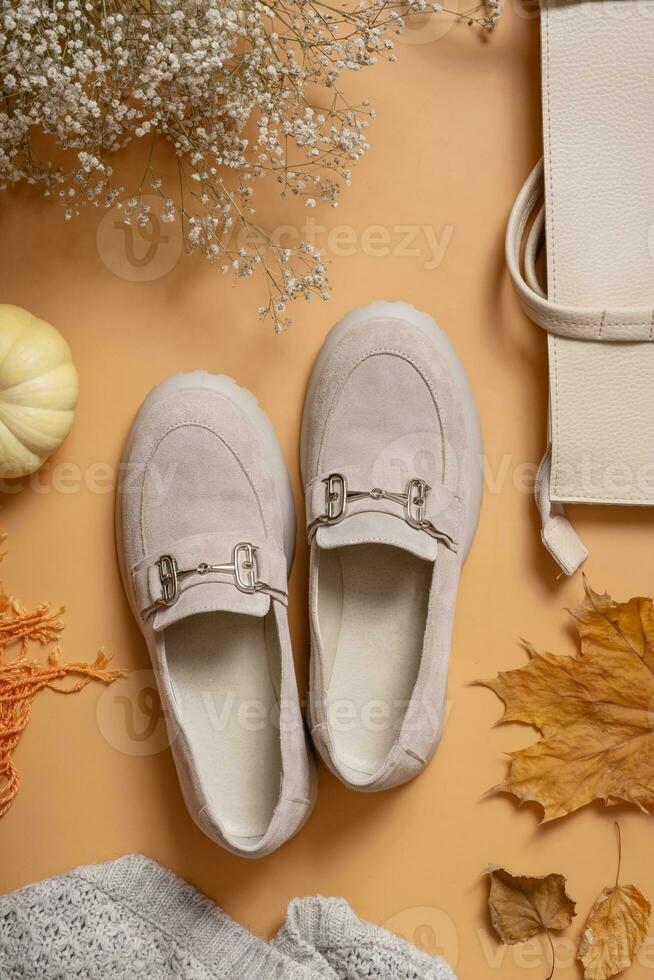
point(38, 391)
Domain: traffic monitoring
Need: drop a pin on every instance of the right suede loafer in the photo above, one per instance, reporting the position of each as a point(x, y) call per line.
point(391, 462)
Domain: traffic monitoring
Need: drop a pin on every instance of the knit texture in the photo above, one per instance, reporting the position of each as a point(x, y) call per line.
point(132, 920)
point(326, 936)
point(129, 920)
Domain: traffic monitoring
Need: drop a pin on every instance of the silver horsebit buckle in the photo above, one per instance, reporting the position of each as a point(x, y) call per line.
point(243, 567)
point(414, 501)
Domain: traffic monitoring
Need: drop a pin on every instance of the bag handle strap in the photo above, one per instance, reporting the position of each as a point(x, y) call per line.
point(558, 534)
point(577, 323)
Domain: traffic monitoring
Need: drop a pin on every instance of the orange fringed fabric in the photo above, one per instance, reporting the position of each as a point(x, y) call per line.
point(22, 678)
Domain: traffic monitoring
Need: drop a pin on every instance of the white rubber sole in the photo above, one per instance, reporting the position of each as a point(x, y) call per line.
point(423, 322)
point(249, 407)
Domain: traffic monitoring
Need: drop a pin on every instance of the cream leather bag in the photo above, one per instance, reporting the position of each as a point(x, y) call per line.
point(598, 224)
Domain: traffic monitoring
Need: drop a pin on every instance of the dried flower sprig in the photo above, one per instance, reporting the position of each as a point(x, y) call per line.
point(238, 89)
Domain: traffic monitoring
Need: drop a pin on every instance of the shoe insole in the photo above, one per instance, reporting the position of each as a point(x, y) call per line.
point(219, 671)
point(373, 611)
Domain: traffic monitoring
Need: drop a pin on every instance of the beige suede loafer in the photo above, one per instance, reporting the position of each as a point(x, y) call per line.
point(391, 462)
point(205, 534)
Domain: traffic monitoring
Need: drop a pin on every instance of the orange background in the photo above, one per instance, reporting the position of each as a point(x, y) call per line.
point(457, 132)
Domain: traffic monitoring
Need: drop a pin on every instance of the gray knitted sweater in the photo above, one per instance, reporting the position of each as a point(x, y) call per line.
point(133, 920)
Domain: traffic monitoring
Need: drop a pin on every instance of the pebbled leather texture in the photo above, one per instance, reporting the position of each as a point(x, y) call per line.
point(598, 132)
point(576, 322)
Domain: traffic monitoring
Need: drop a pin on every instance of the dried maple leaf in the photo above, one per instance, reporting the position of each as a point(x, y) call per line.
point(521, 907)
point(615, 928)
point(622, 627)
point(595, 712)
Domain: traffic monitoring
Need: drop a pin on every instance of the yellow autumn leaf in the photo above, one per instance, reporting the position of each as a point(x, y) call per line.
point(626, 627)
point(521, 907)
point(595, 712)
point(615, 928)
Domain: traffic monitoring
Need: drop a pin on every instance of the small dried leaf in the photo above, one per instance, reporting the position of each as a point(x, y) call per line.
point(521, 907)
point(617, 924)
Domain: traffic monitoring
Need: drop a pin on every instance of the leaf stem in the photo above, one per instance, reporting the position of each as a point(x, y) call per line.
point(617, 830)
point(551, 973)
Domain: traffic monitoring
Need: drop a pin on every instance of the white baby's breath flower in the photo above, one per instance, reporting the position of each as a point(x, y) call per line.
point(195, 74)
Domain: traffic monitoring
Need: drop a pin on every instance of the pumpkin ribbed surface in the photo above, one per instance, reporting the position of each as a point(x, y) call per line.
point(38, 391)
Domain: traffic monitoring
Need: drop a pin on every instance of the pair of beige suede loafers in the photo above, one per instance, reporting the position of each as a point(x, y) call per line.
point(390, 458)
